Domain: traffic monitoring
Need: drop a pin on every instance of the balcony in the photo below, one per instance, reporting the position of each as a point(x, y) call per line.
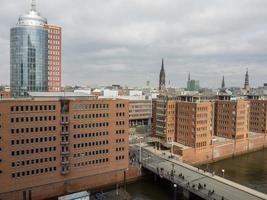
point(64, 133)
point(65, 162)
point(65, 172)
point(64, 122)
point(65, 153)
point(64, 142)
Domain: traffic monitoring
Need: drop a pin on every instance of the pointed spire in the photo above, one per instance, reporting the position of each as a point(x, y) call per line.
point(33, 5)
point(246, 85)
point(189, 77)
point(223, 83)
point(162, 77)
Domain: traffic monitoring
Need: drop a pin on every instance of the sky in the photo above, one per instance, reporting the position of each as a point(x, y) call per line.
point(123, 41)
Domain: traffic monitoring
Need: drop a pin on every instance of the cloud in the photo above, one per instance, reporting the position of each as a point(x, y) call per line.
point(118, 41)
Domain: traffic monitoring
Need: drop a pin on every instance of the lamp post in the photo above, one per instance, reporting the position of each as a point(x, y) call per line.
point(140, 150)
point(124, 173)
point(172, 149)
point(223, 173)
point(140, 154)
point(174, 194)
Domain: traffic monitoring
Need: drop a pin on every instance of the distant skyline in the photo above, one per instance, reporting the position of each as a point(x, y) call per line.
point(113, 42)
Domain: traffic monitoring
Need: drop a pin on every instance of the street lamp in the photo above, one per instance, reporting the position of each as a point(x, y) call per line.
point(172, 148)
point(223, 172)
point(175, 188)
point(140, 154)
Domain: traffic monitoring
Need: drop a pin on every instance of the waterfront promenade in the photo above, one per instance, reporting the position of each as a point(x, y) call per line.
point(193, 180)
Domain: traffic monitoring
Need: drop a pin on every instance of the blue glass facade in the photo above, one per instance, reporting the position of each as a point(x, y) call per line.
point(28, 60)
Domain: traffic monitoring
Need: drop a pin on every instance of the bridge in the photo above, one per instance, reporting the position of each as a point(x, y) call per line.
point(203, 184)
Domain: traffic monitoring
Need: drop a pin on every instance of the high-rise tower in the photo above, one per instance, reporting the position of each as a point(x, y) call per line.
point(246, 84)
point(29, 54)
point(162, 84)
point(35, 55)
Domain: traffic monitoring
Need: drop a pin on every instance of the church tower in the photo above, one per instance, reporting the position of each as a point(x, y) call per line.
point(246, 85)
point(162, 77)
point(223, 83)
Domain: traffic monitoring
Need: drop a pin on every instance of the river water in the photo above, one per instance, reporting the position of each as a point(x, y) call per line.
point(249, 170)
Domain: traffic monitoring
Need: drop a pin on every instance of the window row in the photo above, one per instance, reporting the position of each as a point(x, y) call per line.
point(120, 114)
point(120, 131)
point(33, 172)
point(92, 125)
point(31, 130)
point(120, 149)
point(89, 144)
point(33, 140)
point(120, 105)
point(120, 157)
point(89, 116)
point(101, 151)
point(32, 151)
point(120, 140)
point(90, 106)
point(85, 135)
point(91, 162)
point(33, 108)
point(32, 161)
point(33, 119)
point(201, 144)
point(120, 122)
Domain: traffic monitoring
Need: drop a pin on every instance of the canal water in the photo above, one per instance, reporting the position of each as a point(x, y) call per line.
point(249, 170)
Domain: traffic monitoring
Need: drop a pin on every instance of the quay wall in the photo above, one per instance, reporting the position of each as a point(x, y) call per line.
point(217, 152)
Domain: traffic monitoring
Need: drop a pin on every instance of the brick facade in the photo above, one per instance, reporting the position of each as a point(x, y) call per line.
point(45, 142)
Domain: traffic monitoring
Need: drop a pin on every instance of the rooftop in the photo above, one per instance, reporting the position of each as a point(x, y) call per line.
point(61, 95)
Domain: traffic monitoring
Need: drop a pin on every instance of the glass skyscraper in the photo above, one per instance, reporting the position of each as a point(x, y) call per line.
point(29, 54)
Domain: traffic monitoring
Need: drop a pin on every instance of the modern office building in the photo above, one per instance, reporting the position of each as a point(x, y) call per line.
point(140, 110)
point(35, 55)
point(29, 54)
point(57, 143)
point(54, 58)
point(192, 85)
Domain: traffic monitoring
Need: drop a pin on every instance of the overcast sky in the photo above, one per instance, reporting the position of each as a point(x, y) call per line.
point(123, 41)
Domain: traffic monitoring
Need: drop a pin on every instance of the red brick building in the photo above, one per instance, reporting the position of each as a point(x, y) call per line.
point(231, 119)
point(258, 116)
point(50, 147)
point(54, 58)
point(5, 95)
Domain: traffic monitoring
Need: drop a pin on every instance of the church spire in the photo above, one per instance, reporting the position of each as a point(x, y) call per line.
point(223, 83)
point(246, 85)
point(189, 77)
point(162, 77)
